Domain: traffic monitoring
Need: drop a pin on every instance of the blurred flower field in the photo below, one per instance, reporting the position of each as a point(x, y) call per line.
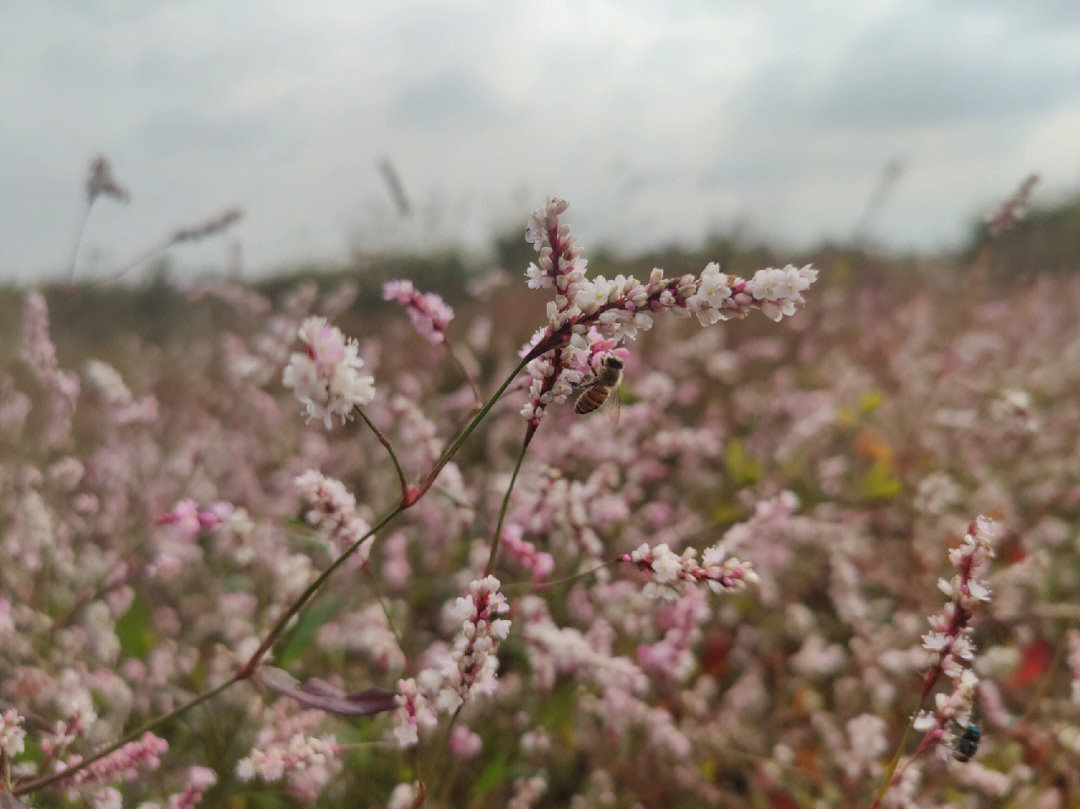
point(165, 505)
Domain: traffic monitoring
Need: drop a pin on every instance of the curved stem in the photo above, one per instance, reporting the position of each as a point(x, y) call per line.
point(298, 604)
point(451, 450)
point(502, 510)
point(44, 781)
point(890, 771)
point(78, 240)
point(544, 585)
point(461, 367)
point(386, 443)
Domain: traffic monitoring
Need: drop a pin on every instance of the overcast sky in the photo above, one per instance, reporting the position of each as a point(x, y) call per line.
point(658, 122)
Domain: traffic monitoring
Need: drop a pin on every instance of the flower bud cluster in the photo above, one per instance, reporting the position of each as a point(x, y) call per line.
point(473, 652)
point(333, 510)
point(12, 736)
point(468, 667)
point(326, 377)
point(414, 709)
point(949, 640)
point(429, 313)
point(102, 182)
point(144, 753)
point(190, 521)
point(199, 780)
point(295, 754)
point(585, 310)
point(669, 572)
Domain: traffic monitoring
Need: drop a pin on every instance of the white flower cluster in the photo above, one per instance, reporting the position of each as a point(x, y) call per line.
point(589, 309)
point(669, 571)
point(333, 509)
point(414, 709)
point(953, 707)
point(473, 653)
point(298, 753)
point(468, 667)
point(949, 639)
point(12, 736)
point(326, 377)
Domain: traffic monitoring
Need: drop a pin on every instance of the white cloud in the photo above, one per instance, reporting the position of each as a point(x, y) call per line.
point(657, 122)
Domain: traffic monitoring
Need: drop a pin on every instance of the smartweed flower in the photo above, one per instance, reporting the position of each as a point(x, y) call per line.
point(327, 377)
point(428, 312)
point(473, 653)
point(333, 510)
point(949, 640)
point(144, 753)
point(585, 310)
point(670, 572)
point(12, 735)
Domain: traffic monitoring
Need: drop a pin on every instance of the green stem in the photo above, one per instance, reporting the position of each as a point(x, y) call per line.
point(44, 781)
point(444, 755)
point(502, 511)
point(455, 445)
point(890, 771)
point(268, 641)
point(464, 371)
point(544, 585)
point(386, 443)
point(386, 613)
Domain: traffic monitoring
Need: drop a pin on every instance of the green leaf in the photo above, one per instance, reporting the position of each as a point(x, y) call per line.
point(298, 638)
point(743, 469)
point(881, 483)
point(134, 632)
point(494, 773)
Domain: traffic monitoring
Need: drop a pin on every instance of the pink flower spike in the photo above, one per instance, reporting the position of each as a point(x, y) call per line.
point(429, 313)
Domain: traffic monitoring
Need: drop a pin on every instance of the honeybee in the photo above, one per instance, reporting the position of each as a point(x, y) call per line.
point(601, 389)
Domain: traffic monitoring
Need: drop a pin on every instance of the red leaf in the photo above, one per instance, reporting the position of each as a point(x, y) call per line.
point(1033, 662)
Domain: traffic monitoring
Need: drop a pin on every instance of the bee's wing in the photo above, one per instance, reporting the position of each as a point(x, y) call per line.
point(613, 405)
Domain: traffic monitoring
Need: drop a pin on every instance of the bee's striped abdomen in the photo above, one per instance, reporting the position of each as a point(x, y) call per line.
point(590, 399)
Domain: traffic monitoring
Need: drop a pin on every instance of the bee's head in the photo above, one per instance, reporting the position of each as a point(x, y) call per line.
point(613, 361)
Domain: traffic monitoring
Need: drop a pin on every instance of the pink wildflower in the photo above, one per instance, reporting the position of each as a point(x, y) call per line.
point(326, 378)
point(473, 652)
point(669, 572)
point(414, 711)
point(333, 509)
point(190, 521)
point(12, 736)
point(199, 780)
point(144, 753)
point(467, 668)
point(428, 312)
point(585, 310)
point(949, 640)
